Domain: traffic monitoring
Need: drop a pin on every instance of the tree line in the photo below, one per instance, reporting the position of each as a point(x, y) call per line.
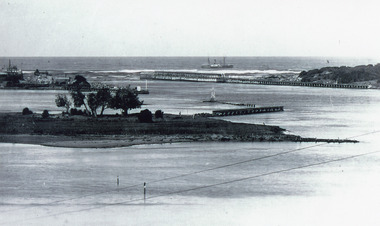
point(343, 74)
point(95, 102)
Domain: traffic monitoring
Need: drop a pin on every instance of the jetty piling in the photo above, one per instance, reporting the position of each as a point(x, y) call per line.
point(144, 192)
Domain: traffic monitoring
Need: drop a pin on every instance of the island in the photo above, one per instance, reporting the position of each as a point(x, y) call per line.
point(119, 131)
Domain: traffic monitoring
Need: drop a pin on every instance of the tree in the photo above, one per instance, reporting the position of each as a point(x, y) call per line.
point(80, 79)
point(125, 99)
point(26, 111)
point(145, 116)
point(103, 97)
point(78, 99)
point(45, 114)
point(80, 83)
point(61, 100)
point(92, 103)
point(159, 114)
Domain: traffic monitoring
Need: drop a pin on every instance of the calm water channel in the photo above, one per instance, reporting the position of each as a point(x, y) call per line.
point(205, 183)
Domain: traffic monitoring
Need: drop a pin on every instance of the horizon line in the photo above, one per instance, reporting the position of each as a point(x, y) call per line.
point(100, 56)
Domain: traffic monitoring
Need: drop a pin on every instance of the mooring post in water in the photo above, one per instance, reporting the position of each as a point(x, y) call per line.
point(144, 191)
point(117, 180)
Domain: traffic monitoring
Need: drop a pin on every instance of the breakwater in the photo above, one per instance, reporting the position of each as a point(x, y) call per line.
point(185, 76)
point(288, 83)
point(223, 78)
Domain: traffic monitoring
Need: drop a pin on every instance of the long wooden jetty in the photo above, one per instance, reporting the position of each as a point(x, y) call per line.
point(247, 111)
point(221, 77)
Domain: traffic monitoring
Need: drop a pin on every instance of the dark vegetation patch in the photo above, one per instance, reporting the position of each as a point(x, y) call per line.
point(111, 125)
point(343, 74)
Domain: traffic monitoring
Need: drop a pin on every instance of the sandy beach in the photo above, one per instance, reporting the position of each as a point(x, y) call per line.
point(98, 141)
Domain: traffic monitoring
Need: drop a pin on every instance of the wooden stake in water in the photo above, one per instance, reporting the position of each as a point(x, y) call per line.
point(144, 191)
point(117, 180)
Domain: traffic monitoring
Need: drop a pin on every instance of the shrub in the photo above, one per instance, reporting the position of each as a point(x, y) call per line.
point(159, 114)
point(145, 116)
point(45, 114)
point(61, 100)
point(26, 111)
point(74, 111)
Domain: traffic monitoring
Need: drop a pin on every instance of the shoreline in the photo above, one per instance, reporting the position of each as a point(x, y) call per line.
point(117, 142)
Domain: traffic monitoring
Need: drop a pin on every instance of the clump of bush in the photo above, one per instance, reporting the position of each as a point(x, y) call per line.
point(145, 116)
point(74, 111)
point(159, 114)
point(45, 114)
point(26, 111)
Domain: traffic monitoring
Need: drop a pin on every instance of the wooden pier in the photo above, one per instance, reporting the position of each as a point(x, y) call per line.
point(247, 111)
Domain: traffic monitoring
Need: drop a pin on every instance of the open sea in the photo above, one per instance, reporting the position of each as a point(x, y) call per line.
point(132, 64)
point(226, 183)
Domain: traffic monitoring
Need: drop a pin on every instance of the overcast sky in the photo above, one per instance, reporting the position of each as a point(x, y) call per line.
point(190, 28)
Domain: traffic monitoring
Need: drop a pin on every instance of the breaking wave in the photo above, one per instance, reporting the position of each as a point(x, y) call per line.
point(237, 72)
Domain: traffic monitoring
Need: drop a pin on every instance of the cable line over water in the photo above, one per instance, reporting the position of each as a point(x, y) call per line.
point(204, 186)
point(192, 173)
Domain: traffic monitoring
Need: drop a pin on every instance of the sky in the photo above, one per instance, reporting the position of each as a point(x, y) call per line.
point(190, 28)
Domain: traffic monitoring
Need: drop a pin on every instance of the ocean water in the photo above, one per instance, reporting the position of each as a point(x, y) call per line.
point(229, 183)
point(132, 64)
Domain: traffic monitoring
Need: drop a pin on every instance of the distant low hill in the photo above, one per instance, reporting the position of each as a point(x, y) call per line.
point(344, 75)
